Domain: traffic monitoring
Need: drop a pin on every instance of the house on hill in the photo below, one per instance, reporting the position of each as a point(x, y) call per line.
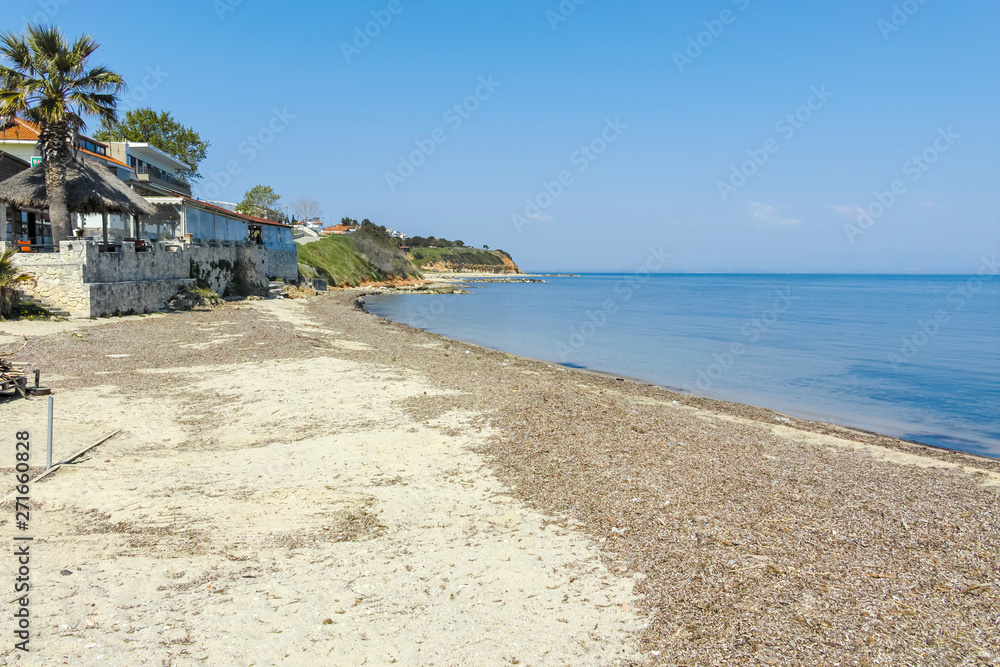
point(339, 230)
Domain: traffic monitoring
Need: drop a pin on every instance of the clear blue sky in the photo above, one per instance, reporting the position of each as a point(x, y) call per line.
point(227, 65)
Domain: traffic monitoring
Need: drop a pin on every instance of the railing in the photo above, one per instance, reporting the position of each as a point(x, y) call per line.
point(160, 175)
point(28, 246)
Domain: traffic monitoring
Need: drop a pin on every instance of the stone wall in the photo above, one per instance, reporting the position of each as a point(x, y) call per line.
point(282, 265)
point(133, 296)
point(162, 263)
point(241, 270)
point(89, 283)
point(230, 271)
point(57, 282)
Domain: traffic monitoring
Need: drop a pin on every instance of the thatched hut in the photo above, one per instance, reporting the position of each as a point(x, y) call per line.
point(90, 188)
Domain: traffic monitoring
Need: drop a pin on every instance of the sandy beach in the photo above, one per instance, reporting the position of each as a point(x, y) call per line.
point(298, 482)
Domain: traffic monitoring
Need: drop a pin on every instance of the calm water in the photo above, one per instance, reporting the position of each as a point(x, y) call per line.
point(916, 357)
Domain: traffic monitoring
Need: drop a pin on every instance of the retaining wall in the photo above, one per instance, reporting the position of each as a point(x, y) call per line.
point(89, 283)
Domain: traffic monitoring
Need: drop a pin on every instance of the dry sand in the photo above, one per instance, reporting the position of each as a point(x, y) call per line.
point(285, 509)
point(302, 483)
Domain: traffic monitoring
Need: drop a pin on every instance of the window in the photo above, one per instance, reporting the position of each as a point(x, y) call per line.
point(89, 145)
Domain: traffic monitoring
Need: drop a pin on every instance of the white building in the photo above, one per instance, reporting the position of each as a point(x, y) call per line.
point(154, 171)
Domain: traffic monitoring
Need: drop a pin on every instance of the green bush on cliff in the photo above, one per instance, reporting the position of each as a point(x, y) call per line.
point(382, 251)
point(364, 256)
point(457, 257)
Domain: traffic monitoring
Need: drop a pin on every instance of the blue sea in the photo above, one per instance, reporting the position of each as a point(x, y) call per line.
point(915, 357)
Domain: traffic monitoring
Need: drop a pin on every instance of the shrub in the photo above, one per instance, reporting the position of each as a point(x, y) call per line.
point(10, 279)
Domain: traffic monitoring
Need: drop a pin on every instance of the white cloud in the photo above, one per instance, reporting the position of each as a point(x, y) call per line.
point(540, 217)
point(770, 215)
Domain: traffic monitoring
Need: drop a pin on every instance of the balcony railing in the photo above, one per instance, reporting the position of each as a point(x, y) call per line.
point(155, 174)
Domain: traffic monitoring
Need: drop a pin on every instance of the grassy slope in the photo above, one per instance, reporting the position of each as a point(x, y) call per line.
point(456, 256)
point(336, 259)
point(351, 260)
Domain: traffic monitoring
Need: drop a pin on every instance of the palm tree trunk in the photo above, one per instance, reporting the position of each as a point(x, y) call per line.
point(55, 188)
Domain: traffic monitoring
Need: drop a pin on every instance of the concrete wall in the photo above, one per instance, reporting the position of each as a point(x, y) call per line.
point(89, 283)
point(282, 265)
point(135, 296)
point(114, 267)
point(230, 271)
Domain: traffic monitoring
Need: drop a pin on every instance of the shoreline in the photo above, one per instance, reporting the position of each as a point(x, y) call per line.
point(354, 488)
point(868, 431)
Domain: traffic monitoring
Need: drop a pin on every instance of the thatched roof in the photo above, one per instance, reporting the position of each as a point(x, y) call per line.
point(90, 188)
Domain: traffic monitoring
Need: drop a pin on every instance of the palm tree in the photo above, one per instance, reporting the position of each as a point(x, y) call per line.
point(49, 84)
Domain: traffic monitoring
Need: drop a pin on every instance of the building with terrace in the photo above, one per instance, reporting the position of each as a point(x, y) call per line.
point(125, 262)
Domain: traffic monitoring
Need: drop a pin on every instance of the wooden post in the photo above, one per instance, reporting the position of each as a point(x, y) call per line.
point(104, 226)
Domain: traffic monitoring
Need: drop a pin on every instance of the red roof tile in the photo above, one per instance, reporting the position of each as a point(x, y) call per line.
point(19, 130)
point(23, 130)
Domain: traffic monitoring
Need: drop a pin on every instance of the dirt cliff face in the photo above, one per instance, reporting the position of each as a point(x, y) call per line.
point(509, 265)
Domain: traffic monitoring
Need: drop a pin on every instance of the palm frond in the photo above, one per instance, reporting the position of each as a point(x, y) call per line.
point(47, 81)
point(16, 50)
point(9, 274)
point(82, 48)
point(46, 41)
point(100, 79)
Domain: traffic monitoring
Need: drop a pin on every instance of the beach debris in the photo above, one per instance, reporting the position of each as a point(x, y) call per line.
point(13, 376)
point(303, 291)
point(971, 589)
point(66, 573)
point(194, 297)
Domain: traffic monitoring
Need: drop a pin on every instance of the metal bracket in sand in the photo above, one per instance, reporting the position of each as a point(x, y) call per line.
point(67, 461)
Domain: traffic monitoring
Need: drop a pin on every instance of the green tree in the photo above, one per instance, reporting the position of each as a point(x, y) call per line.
point(48, 83)
point(160, 130)
point(259, 201)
